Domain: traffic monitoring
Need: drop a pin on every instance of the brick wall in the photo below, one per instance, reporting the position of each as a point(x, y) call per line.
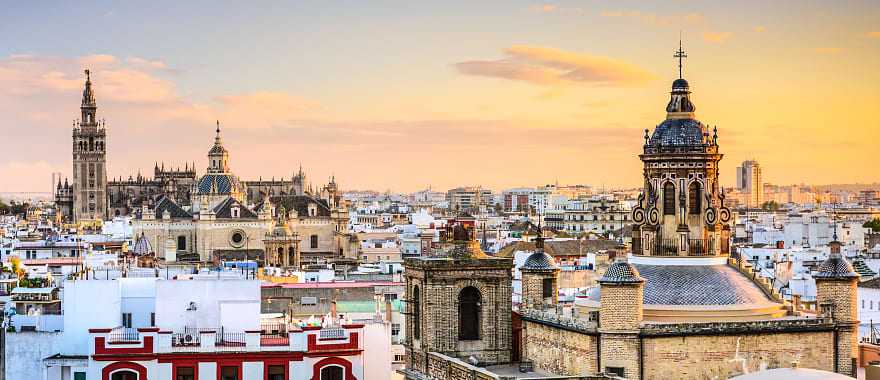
point(843, 296)
point(559, 351)
point(621, 306)
point(707, 357)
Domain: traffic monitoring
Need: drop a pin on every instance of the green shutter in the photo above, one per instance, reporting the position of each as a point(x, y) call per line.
point(79, 376)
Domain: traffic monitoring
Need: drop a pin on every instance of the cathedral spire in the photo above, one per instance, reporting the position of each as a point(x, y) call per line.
point(88, 107)
point(88, 98)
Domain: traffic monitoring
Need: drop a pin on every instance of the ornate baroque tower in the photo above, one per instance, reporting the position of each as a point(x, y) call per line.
point(681, 210)
point(89, 160)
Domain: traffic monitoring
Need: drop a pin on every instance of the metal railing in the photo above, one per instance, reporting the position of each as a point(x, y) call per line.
point(700, 247)
point(274, 334)
point(123, 335)
point(665, 247)
point(231, 340)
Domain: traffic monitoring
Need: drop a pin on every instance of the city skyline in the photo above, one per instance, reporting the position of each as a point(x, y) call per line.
point(540, 92)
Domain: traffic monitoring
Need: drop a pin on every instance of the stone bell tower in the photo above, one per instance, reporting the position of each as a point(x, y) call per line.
point(621, 302)
point(89, 160)
point(837, 296)
point(540, 286)
point(458, 302)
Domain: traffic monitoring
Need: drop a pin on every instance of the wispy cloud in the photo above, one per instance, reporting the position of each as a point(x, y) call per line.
point(550, 66)
point(874, 34)
point(545, 8)
point(716, 37)
point(828, 50)
point(759, 29)
point(655, 19)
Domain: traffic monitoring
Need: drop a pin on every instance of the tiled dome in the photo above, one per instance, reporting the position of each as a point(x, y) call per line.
point(679, 132)
point(539, 260)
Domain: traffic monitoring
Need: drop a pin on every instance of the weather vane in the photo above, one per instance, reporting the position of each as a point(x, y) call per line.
point(680, 54)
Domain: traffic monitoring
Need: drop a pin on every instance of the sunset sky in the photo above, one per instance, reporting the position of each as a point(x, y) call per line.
point(405, 95)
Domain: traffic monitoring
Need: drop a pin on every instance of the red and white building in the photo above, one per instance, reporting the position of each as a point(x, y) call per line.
point(308, 353)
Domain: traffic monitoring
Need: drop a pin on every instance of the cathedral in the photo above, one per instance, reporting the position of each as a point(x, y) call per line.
point(680, 305)
point(185, 217)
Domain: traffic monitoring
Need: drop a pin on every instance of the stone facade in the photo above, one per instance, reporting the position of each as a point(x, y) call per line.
point(440, 283)
point(679, 351)
point(458, 302)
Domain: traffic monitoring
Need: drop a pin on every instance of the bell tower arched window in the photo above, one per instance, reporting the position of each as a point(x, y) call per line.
point(469, 314)
point(668, 199)
point(695, 199)
point(416, 312)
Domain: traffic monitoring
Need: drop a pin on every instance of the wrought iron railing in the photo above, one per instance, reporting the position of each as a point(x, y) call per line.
point(123, 335)
point(274, 334)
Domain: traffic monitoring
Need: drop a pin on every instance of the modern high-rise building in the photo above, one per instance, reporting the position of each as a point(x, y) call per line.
point(750, 183)
point(89, 160)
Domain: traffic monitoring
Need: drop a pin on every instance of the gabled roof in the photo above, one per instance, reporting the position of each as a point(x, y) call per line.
point(224, 209)
point(164, 203)
point(300, 203)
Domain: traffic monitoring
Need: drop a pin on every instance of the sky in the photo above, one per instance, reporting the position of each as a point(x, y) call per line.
point(402, 96)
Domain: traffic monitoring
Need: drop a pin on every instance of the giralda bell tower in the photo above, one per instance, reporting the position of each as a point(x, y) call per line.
point(89, 160)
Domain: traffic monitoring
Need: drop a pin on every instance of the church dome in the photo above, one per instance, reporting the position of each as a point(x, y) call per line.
point(679, 132)
point(539, 260)
point(218, 184)
point(680, 83)
point(835, 267)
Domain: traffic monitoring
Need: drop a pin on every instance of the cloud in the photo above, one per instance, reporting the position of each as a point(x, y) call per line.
point(716, 37)
point(874, 34)
point(263, 109)
point(148, 64)
point(545, 8)
point(654, 19)
point(828, 50)
point(97, 60)
point(759, 29)
point(550, 66)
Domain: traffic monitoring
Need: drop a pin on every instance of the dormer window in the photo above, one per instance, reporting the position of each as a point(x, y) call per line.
point(236, 212)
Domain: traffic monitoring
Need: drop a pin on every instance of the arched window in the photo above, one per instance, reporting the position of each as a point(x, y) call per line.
point(280, 253)
point(695, 201)
point(469, 314)
point(181, 243)
point(332, 372)
point(668, 199)
point(416, 312)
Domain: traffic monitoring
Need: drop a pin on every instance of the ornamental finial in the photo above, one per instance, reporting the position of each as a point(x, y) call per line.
point(680, 54)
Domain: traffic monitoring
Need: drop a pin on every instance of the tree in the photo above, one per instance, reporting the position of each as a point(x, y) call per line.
point(19, 208)
point(873, 224)
point(4, 208)
point(770, 206)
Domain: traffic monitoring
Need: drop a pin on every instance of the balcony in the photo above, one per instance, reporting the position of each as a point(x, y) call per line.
point(674, 248)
